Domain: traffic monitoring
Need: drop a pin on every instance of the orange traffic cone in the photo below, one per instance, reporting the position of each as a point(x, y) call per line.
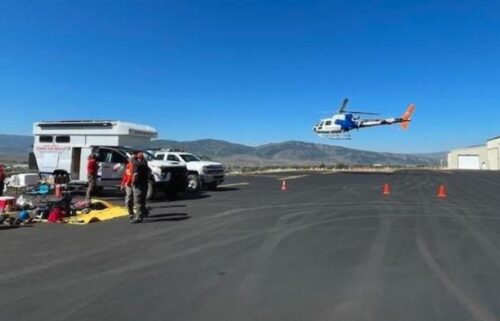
point(442, 192)
point(284, 186)
point(387, 189)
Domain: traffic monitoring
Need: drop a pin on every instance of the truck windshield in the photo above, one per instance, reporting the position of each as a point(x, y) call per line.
point(147, 155)
point(189, 158)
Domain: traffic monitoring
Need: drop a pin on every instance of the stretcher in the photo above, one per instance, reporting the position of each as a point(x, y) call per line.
point(100, 211)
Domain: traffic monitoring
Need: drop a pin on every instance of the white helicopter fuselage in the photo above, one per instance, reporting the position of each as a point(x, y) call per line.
point(340, 124)
point(330, 125)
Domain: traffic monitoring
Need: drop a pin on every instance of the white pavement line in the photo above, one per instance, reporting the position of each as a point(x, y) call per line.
point(329, 173)
point(235, 184)
point(287, 178)
point(477, 310)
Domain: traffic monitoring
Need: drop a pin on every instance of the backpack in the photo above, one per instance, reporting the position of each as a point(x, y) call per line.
point(56, 215)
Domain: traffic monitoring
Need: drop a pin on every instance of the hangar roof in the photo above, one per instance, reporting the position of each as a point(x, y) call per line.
point(467, 150)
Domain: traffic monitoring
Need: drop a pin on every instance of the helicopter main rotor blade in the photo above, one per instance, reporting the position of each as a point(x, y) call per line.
point(343, 106)
point(362, 113)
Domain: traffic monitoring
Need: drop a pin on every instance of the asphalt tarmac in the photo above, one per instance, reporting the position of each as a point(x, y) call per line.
point(330, 248)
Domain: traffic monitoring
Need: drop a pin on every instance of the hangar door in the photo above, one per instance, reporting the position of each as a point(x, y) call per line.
point(468, 162)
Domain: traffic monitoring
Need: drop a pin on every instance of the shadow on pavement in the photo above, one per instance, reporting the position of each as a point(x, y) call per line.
point(225, 189)
point(171, 217)
point(167, 206)
point(180, 198)
point(8, 227)
point(189, 196)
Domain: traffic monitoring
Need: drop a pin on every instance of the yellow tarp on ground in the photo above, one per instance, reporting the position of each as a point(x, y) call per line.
point(110, 212)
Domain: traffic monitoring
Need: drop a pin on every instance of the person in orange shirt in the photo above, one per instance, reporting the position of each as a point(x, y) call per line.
point(127, 185)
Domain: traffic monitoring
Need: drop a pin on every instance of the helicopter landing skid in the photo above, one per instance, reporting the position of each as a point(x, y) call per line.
point(336, 136)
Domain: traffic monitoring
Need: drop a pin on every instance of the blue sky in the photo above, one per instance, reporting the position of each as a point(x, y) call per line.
point(255, 71)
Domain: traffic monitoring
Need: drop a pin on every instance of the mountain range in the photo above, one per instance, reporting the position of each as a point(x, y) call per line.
point(296, 153)
point(15, 144)
point(285, 153)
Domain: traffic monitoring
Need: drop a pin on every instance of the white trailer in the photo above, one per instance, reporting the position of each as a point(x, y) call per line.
point(64, 147)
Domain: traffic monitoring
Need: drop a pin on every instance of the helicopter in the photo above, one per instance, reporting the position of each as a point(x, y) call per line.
point(339, 125)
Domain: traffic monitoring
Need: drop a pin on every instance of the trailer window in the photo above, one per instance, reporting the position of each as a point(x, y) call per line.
point(46, 139)
point(62, 139)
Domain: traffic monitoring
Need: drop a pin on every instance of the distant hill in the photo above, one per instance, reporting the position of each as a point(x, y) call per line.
point(15, 144)
point(289, 153)
point(206, 147)
point(435, 156)
point(295, 152)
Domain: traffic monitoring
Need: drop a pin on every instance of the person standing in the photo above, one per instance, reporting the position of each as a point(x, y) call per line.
point(2, 179)
point(140, 186)
point(92, 169)
point(127, 186)
point(135, 184)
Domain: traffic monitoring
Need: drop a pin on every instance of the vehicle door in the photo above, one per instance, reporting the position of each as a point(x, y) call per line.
point(160, 157)
point(111, 166)
point(119, 162)
point(173, 158)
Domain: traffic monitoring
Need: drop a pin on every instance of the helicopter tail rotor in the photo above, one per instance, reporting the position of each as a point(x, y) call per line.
point(406, 118)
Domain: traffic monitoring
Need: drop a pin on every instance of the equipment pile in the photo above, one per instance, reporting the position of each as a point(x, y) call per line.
point(52, 204)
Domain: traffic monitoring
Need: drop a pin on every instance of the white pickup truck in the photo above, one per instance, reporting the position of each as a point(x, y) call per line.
point(200, 173)
point(168, 177)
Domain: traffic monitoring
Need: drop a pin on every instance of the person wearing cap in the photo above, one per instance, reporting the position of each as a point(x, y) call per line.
point(92, 168)
point(135, 184)
point(2, 179)
point(140, 186)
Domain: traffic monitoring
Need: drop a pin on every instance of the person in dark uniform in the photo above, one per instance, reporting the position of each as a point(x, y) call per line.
point(140, 186)
point(135, 183)
point(2, 179)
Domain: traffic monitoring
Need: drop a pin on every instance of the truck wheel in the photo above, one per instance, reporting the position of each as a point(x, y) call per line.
point(193, 183)
point(151, 191)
